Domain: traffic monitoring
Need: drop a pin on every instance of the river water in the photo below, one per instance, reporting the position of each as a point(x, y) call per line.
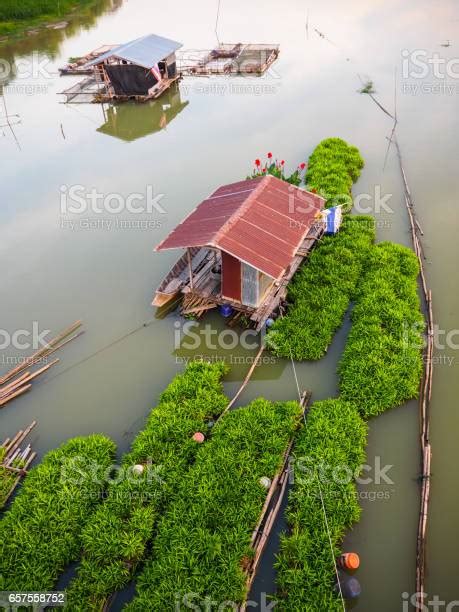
point(58, 266)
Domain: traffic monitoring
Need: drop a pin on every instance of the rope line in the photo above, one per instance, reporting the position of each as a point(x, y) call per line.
point(318, 482)
point(331, 543)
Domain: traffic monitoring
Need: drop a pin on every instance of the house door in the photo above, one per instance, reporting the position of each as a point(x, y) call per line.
point(231, 277)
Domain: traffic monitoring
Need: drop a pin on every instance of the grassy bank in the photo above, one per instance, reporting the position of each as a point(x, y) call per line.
point(204, 537)
point(18, 16)
point(116, 537)
point(328, 449)
point(321, 290)
point(381, 366)
point(41, 532)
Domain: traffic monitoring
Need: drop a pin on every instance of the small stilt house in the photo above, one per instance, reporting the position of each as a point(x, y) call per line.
point(142, 68)
point(243, 244)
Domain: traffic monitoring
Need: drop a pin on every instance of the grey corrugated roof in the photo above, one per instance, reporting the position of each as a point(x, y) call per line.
point(145, 51)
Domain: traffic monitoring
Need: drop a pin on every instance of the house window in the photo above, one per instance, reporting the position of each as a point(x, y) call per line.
point(249, 285)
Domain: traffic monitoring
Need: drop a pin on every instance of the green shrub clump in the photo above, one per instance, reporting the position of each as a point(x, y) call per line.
point(29, 9)
point(41, 532)
point(203, 540)
point(333, 167)
point(328, 449)
point(321, 290)
point(381, 366)
point(116, 537)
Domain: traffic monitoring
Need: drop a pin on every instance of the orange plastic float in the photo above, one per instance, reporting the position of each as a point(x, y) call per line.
point(350, 561)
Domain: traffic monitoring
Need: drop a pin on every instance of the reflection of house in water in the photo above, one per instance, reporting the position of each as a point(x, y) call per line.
point(130, 121)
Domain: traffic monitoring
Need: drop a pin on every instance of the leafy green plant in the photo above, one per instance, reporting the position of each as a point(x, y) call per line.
point(115, 540)
point(204, 537)
point(367, 88)
point(334, 436)
point(41, 532)
point(321, 290)
point(333, 167)
point(381, 366)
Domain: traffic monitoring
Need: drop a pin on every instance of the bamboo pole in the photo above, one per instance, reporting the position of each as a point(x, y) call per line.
point(26, 378)
point(19, 437)
point(52, 346)
point(15, 394)
point(424, 398)
point(246, 379)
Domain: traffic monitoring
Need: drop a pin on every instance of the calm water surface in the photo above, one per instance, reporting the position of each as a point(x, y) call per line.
point(186, 145)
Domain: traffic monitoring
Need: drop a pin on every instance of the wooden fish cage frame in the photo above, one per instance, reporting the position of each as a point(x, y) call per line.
point(232, 59)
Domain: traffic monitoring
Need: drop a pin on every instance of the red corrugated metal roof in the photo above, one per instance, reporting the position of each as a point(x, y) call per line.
point(260, 221)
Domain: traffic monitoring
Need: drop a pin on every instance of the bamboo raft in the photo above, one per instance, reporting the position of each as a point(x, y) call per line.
point(18, 381)
point(15, 461)
point(270, 511)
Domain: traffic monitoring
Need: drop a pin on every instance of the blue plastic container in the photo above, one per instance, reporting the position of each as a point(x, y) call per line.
point(226, 310)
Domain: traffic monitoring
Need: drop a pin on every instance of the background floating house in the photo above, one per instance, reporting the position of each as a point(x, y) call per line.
point(243, 244)
point(146, 67)
point(141, 70)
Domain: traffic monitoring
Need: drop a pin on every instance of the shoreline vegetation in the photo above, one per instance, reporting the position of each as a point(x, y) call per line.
point(18, 17)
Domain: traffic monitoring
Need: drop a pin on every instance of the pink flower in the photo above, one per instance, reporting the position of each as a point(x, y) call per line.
point(282, 162)
point(270, 155)
point(257, 163)
point(302, 166)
